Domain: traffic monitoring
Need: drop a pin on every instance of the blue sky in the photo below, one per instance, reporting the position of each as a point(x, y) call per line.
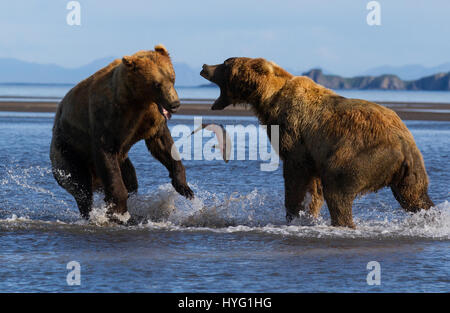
point(332, 34)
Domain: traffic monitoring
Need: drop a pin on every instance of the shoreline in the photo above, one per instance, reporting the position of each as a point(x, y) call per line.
point(201, 107)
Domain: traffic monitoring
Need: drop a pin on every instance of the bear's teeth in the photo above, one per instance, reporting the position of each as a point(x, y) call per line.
point(167, 114)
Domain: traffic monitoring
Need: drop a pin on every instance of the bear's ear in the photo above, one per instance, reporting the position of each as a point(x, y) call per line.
point(161, 49)
point(129, 62)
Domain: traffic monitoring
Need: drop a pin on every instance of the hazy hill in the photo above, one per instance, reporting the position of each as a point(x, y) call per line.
point(408, 72)
point(439, 81)
point(17, 71)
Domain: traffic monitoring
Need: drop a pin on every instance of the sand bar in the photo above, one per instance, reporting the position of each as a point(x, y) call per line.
point(406, 110)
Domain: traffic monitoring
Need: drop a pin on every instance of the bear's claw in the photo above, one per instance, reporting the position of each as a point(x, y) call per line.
point(184, 190)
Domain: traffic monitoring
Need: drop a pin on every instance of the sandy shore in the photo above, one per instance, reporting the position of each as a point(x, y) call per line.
point(407, 111)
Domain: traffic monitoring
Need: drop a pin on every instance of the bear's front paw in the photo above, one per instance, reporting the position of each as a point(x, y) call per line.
point(121, 219)
point(183, 189)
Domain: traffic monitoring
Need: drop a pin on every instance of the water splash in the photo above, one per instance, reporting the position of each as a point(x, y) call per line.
point(255, 212)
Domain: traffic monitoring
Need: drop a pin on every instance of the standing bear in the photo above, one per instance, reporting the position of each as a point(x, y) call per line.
point(332, 147)
point(102, 117)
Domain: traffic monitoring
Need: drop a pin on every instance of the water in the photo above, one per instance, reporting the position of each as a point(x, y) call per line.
point(47, 91)
point(231, 238)
point(51, 91)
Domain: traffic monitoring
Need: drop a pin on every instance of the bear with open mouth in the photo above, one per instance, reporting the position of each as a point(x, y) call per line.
point(332, 148)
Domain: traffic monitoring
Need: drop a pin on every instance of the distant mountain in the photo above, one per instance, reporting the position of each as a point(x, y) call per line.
point(17, 71)
point(439, 81)
point(408, 72)
point(12, 70)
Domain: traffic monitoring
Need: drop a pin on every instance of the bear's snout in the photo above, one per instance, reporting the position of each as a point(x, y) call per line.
point(203, 71)
point(207, 71)
point(175, 105)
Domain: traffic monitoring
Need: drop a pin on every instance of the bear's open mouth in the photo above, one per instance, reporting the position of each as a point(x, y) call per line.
point(164, 112)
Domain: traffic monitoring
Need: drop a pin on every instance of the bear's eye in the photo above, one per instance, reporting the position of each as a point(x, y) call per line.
point(158, 85)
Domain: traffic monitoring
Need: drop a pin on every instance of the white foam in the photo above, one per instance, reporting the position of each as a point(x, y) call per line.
point(166, 210)
point(255, 212)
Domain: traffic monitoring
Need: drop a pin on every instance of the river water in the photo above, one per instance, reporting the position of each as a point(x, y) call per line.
point(231, 238)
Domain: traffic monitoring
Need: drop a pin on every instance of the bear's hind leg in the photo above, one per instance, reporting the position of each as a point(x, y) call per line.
point(76, 178)
point(410, 187)
point(410, 199)
point(340, 207)
point(315, 190)
point(129, 176)
point(302, 192)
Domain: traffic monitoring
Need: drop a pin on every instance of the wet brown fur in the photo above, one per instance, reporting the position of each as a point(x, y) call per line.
point(103, 116)
point(331, 146)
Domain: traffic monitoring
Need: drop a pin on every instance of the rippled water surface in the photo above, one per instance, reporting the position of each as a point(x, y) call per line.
point(19, 91)
point(231, 238)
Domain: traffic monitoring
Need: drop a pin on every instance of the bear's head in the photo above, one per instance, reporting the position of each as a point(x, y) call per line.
point(151, 78)
point(244, 80)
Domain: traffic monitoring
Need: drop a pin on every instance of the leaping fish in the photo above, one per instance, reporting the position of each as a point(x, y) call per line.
point(223, 145)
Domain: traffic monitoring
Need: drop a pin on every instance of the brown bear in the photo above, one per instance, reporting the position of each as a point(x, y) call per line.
point(98, 121)
point(332, 147)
